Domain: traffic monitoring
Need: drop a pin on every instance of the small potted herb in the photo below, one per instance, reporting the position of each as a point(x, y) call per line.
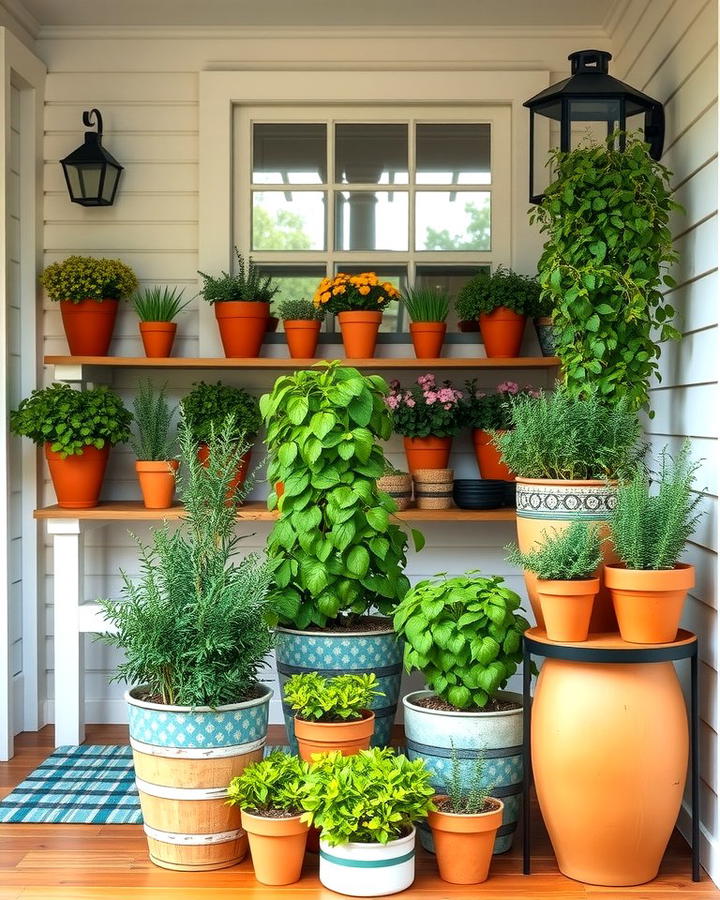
point(76, 430)
point(366, 806)
point(301, 321)
point(241, 301)
point(88, 290)
point(566, 564)
point(332, 713)
point(269, 794)
point(150, 440)
point(157, 308)
point(428, 310)
point(397, 484)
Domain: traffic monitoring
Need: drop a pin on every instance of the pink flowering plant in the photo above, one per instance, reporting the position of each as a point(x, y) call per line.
point(426, 409)
point(492, 411)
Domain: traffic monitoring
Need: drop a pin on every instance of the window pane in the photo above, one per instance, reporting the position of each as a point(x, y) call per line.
point(455, 220)
point(453, 153)
point(448, 279)
point(289, 153)
point(397, 276)
point(371, 154)
point(296, 282)
point(288, 220)
point(369, 220)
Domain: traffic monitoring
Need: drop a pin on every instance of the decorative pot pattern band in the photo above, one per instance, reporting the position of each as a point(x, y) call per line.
point(558, 501)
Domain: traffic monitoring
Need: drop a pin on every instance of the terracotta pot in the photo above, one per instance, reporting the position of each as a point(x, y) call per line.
point(277, 847)
point(399, 487)
point(89, 325)
point(567, 607)
point(302, 337)
point(488, 457)
point(78, 479)
point(544, 504)
point(427, 338)
point(649, 603)
point(609, 756)
point(242, 470)
point(502, 332)
point(427, 452)
point(433, 488)
point(157, 482)
point(324, 737)
point(464, 843)
point(359, 332)
point(157, 338)
point(242, 327)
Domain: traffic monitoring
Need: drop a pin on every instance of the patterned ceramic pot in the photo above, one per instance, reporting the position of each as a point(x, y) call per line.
point(545, 331)
point(335, 653)
point(430, 735)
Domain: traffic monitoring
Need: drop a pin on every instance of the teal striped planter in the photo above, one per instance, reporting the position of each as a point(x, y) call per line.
point(368, 870)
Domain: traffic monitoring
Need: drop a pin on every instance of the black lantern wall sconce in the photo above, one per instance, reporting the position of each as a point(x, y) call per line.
point(91, 173)
point(591, 101)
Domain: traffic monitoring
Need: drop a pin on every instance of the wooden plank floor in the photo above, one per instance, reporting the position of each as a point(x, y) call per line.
point(104, 862)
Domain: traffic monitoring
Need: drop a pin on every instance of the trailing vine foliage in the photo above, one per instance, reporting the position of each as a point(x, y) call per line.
point(604, 266)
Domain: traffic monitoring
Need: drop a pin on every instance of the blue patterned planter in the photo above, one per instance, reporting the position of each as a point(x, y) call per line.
point(337, 653)
point(546, 331)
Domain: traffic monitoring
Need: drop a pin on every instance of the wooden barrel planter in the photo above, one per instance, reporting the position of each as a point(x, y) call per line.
point(184, 760)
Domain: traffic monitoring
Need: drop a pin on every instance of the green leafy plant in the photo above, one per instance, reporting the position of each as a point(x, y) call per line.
point(296, 310)
point(71, 420)
point(274, 785)
point(467, 796)
point(464, 635)
point(425, 409)
point(248, 284)
point(208, 406)
point(335, 553)
point(649, 527)
point(571, 554)
point(153, 415)
point(158, 304)
point(372, 797)
point(344, 697)
point(88, 278)
point(560, 436)
point(192, 625)
point(492, 412)
point(487, 291)
point(604, 266)
point(426, 304)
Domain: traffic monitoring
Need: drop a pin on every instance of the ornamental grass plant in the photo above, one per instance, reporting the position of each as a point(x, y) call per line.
point(158, 304)
point(150, 438)
point(425, 409)
point(426, 304)
point(570, 554)
point(347, 697)
point(80, 278)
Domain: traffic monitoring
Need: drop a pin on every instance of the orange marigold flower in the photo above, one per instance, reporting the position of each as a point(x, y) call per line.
point(340, 289)
point(364, 290)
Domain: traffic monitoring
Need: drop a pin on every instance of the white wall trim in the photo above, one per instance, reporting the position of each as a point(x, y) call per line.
point(22, 15)
point(709, 846)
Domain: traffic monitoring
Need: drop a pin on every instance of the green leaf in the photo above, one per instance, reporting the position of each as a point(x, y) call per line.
point(358, 560)
point(378, 519)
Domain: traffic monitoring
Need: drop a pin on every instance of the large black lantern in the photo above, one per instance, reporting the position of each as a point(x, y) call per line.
point(588, 103)
point(91, 173)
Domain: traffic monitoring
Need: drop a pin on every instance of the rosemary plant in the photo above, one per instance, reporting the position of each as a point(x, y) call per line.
point(426, 304)
point(247, 284)
point(150, 437)
point(570, 555)
point(467, 797)
point(159, 304)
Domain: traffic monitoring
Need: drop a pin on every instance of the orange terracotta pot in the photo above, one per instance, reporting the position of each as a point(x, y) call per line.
point(242, 327)
point(488, 457)
point(427, 452)
point(502, 332)
point(279, 488)
point(157, 482)
point(243, 466)
point(609, 755)
point(89, 325)
point(464, 843)
point(324, 737)
point(359, 332)
point(302, 337)
point(78, 479)
point(649, 604)
point(277, 847)
point(427, 338)
point(567, 607)
point(157, 338)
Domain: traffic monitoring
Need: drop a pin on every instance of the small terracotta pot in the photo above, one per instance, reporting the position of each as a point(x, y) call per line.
point(427, 338)
point(78, 479)
point(324, 737)
point(464, 843)
point(433, 488)
point(359, 332)
point(649, 603)
point(157, 338)
point(502, 332)
point(157, 482)
point(243, 466)
point(89, 325)
point(567, 607)
point(242, 327)
point(302, 337)
point(399, 487)
point(277, 847)
point(488, 457)
point(427, 452)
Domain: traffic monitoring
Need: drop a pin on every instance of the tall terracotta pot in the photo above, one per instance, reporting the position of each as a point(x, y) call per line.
point(323, 737)
point(359, 332)
point(157, 482)
point(302, 337)
point(89, 325)
point(649, 604)
point(157, 338)
point(78, 479)
point(488, 457)
point(427, 453)
point(502, 332)
point(427, 338)
point(242, 327)
point(277, 846)
point(242, 470)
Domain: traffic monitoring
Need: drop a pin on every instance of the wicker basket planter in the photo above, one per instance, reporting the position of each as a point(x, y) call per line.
point(433, 488)
point(400, 488)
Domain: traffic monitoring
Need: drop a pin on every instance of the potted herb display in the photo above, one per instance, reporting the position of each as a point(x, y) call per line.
point(649, 529)
point(157, 308)
point(501, 301)
point(241, 301)
point(301, 321)
point(428, 309)
point(193, 630)
point(566, 565)
point(465, 635)
point(358, 302)
point(398, 484)
point(269, 794)
point(150, 440)
point(88, 290)
point(76, 430)
point(427, 415)
point(366, 806)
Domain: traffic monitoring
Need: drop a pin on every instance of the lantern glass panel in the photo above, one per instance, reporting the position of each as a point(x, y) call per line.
point(111, 178)
point(73, 177)
point(90, 175)
point(593, 118)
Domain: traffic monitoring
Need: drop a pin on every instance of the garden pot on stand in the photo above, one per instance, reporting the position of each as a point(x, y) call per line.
point(157, 338)
point(89, 325)
point(242, 470)
point(368, 870)
point(324, 737)
point(545, 331)
point(502, 332)
point(78, 479)
point(427, 338)
point(157, 482)
point(242, 326)
point(277, 847)
point(427, 452)
point(359, 332)
point(488, 457)
point(302, 337)
point(464, 843)
point(649, 603)
point(567, 608)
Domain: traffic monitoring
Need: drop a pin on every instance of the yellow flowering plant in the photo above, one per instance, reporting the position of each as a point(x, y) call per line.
point(354, 292)
point(88, 278)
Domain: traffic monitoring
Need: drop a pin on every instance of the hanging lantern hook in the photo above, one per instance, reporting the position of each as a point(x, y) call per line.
point(88, 119)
